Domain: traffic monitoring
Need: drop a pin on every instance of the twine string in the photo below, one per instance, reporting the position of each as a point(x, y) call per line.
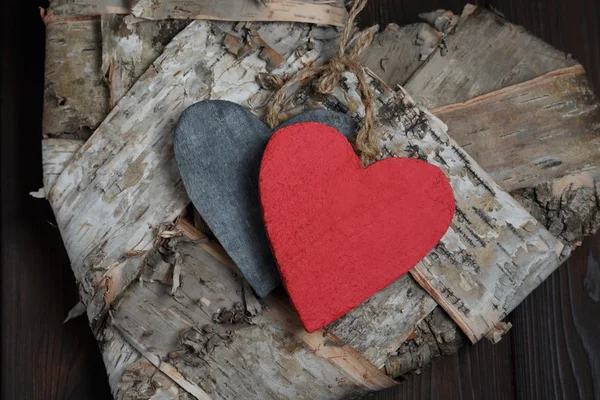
point(326, 77)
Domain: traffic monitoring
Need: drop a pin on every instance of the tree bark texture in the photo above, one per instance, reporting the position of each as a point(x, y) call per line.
point(533, 131)
point(75, 96)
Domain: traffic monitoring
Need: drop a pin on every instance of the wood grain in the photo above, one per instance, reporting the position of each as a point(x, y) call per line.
point(75, 96)
point(482, 371)
point(89, 7)
point(42, 358)
point(560, 361)
point(567, 25)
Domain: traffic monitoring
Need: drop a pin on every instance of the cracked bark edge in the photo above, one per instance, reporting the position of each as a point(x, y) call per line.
point(436, 336)
point(569, 207)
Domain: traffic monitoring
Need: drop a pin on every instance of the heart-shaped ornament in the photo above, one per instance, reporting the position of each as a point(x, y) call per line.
point(340, 232)
point(218, 147)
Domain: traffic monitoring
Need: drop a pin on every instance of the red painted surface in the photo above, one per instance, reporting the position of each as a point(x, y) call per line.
point(340, 232)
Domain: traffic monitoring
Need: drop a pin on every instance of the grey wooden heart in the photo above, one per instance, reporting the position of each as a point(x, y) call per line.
point(218, 149)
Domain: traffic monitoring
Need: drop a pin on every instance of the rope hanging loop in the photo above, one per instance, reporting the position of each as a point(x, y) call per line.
point(328, 76)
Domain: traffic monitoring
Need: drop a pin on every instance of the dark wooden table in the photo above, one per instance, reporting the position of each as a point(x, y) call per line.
point(553, 350)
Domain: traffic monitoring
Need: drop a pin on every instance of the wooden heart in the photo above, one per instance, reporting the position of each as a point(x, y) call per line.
point(340, 232)
point(218, 148)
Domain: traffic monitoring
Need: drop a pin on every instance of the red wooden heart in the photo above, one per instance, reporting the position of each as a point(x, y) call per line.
point(340, 232)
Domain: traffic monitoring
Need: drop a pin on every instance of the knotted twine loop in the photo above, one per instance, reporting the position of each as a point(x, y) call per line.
point(328, 76)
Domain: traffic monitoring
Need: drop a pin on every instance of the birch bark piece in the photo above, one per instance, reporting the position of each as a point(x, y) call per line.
point(75, 96)
point(394, 56)
point(485, 54)
point(129, 157)
point(257, 358)
point(56, 155)
point(129, 46)
point(307, 11)
point(531, 132)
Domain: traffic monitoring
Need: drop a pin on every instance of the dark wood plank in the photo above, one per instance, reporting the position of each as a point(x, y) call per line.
point(41, 358)
point(482, 371)
point(556, 343)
